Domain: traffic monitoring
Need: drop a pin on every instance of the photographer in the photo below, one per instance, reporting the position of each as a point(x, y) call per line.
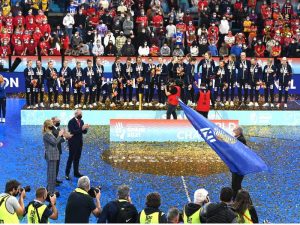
point(37, 211)
point(80, 204)
point(173, 93)
point(10, 208)
point(121, 210)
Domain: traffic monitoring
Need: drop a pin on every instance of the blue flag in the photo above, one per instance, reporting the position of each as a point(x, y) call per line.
point(238, 157)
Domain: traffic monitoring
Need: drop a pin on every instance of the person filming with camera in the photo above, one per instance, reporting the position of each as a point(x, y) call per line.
point(80, 203)
point(37, 211)
point(173, 93)
point(11, 209)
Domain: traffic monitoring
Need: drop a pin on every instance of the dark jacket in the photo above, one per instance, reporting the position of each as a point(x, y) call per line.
point(191, 208)
point(220, 213)
point(128, 50)
point(77, 132)
point(242, 139)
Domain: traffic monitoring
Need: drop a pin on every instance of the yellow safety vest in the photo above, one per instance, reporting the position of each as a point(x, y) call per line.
point(194, 218)
point(79, 190)
point(152, 218)
point(36, 4)
point(34, 215)
point(45, 5)
point(246, 216)
point(5, 215)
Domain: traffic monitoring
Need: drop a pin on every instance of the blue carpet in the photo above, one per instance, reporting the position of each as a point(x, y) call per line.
point(275, 195)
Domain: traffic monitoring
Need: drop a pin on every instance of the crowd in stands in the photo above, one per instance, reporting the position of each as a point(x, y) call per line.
point(80, 205)
point(153, 28)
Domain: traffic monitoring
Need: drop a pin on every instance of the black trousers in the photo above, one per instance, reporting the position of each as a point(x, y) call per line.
point(2, 107)
point(161, 94)
point(52, 90)
point(30, 95)
point(98, 91)
point(283, 90)
point(189, 94)
point(253, 90)
point(74, 157)
point(269, 91)
point(149, 92)
point(205, 114)
point(243, 84)
point(128, 89)
point(171, 111)
point(236, 183)
point(90, 94)
point(39, 91)
point(77, 96)
point(66, 93)
point(230, 91)
point(218, 90)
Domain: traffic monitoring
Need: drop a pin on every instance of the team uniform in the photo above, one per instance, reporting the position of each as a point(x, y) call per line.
point(128, 82)
point(180, 76)
point(162, 79)
point(284, 75)
point(230, 73)
point(253, 83)
point(220, 80)
point(140, 71)
point(30, 87)
point(268, 78)
point(99, 72)
point(52, 85)
point(189, 80)
point(150, 81)
point(78, 82)
point(243, 68)
point(90, 79)
point(40, 88)
point(65, 76)
point(117, 71)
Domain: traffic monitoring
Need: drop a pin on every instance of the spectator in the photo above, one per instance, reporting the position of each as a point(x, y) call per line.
point(120, 41)
point(109, 37)
point(221, 212)
point(76, 40)
point(101, 29)
point(69, 22)
point(79, 21)
point(193, 212)
point(213, 49)
point(223, 50)
point(244, 208)
point(173, 215)
point(98, 48)
point(127, 26)
point(112, 212)
point(152, 213)
point(110, 49)
point(154, 50)
point(80, 204)
point(194, 49)
point(144, 50)
point(178, 51)
point(236, 50)
point(165, 50)
point(12, 209)
point(224, 27)
point(84, 49)
point(128, 49)
point(259, 49)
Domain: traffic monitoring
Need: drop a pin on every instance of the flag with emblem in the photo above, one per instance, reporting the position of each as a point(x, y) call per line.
point(238, 157)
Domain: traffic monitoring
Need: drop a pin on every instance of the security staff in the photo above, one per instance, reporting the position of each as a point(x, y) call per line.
point(65, 75)
point(255, 77)
point(269, 75)
point(173, 93)
point(99, 76)
point(152, 214)
point(162, 79)
point(37, 211)
point(230, 73)
point(30, 85)
point(284, 75)
point(11, 208)
point(52, 85)
point(243, 67)
point(128, 81)
point(150, 82)
point(203, 100)
point(208, 67)
point(140, 71)
point(78, 82)
point(90, 79)
point(189, 80)
point(220, 82)
point(40, 72)
point(117, 72)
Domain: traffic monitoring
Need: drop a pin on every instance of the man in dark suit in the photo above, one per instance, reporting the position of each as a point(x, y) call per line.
point(55, 131)
point(76, 127)
point(236, 182)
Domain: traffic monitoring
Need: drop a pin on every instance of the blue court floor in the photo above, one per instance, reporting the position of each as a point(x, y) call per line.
point(276, 195)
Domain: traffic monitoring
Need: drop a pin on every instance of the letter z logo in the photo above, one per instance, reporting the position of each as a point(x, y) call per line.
point(208, 135)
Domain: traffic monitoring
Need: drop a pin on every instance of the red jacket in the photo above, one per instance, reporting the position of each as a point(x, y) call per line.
point(19, 49)
point(173, 99)
point(259, 50)
point(5, 51)
point(203, 104)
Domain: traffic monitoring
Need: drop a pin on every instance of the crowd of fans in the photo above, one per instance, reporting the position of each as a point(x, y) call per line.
point(153, 28)
point(80, 205)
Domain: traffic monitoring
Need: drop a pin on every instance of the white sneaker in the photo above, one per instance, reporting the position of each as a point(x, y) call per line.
point(131, 104)
point(145, 104)
point(42, 105)
point(79, 105)
point(102, 104)
point(51, 105)
point(56, 105)
point(278, 105)
point(221, 104)
point(266, 105)
point(231, 103)
point(76, 106)
point(137, 103)
point(36, 105)
point(33, 107)
point(112, 105)
point(150, 104)
point(250, 104)
point(125, 103)
point(285, 105)
point(156, 105)
point(28, 107)
point(3, 120)
point(63, 105)
point(90, 106)
point(272, 105)
point(226, 103)
point(161, 105)
point(95, 104)
point(189, 103)
point(84, 106)
point(67, 106)
point(256, 104)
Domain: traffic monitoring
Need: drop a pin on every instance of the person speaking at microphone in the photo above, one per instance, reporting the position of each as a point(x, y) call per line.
point(76, 128)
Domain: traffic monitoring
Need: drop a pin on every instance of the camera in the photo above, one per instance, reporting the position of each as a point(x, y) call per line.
point(94, 190)
point(27, 189)
point(51, 195)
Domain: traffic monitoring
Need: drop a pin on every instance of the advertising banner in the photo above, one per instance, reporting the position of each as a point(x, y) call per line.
point(142, 130)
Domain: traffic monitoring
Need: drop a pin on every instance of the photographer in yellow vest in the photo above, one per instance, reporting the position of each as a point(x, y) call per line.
point(12, 209)
point(152, 214)
point(37, 211)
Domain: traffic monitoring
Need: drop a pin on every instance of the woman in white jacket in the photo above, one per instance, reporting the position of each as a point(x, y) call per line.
point(144, 50)
point(98, 48)
point(109, 37)
point(69, 22)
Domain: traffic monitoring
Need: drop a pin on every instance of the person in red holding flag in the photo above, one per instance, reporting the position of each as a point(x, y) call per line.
point(203, 100)
point(173, 93)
